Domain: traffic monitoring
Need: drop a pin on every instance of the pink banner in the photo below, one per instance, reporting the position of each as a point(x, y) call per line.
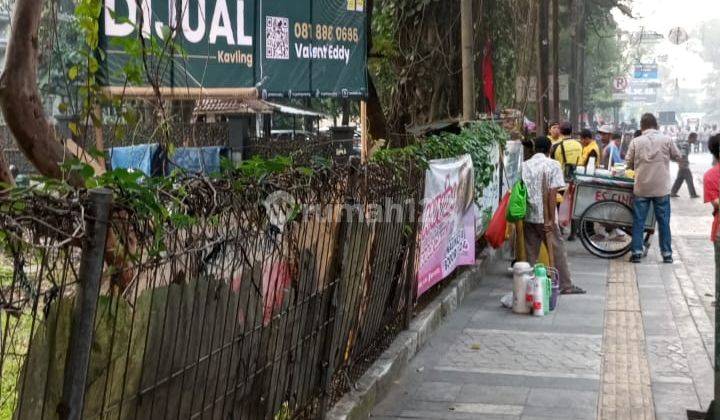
point(447, 236)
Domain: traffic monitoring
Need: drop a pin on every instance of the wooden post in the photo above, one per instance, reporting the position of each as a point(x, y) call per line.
point(364, 133)
point(468, 60)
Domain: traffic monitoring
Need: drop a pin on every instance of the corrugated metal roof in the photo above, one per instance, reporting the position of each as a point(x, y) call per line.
point(249, 107)
point(233, 107)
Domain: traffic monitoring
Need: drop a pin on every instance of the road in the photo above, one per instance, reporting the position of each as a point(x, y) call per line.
point(638, 345)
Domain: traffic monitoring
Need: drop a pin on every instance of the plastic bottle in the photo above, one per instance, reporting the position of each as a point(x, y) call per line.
point(521, 271)
point(547, 294)
point(541, 301)
point(529, 292)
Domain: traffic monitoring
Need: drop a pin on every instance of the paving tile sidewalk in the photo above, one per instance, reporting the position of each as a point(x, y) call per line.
point(488, 363)
point(641, 347)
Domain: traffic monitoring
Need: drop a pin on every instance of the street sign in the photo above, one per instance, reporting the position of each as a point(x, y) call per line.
point(642, 97)
point(299, 48)
point(678, 36)
point(620, 84)
point(645, 37)
point(646, 71)
point(636, 84)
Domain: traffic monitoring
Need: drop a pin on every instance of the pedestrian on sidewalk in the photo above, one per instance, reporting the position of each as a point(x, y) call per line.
point(649, 156)
point(684, 174)
point(535, 171)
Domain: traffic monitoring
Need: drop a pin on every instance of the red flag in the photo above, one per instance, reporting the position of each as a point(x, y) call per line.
point(489, 76)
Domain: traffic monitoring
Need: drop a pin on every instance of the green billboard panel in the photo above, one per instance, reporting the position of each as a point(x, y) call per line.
point(284, 48)
point(313, 48)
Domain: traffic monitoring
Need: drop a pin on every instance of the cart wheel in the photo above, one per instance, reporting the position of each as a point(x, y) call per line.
point(603, 244)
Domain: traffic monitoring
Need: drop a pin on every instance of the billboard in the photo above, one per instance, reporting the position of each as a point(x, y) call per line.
point(299, 48)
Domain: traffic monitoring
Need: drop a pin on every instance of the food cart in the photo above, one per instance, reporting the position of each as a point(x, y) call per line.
point(603, 213)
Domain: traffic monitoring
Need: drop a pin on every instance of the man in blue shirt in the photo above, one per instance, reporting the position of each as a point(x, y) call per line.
point(611, 147)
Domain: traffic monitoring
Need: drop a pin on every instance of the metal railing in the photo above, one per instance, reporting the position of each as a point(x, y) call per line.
point(259, 309)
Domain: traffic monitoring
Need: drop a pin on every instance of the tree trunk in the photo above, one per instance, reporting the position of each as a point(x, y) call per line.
point(574, 23)
point(20, 97)
point(345, 113)
point(5, 175)
point(581, 40)
point(25, 116)
point(556, 59)
point(376, 118)
point(468, 60)
point(377, 124)
point(543, 63)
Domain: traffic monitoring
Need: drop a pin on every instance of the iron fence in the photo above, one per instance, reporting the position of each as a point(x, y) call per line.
point(253, 311)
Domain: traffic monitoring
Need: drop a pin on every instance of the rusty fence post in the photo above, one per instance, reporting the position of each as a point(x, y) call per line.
point(86, 299)
point(335, 309)
point(415, 209)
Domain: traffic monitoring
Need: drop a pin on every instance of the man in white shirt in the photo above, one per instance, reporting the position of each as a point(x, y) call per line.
point(536, 171)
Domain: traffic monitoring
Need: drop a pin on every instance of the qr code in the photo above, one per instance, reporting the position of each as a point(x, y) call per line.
point(277, 38)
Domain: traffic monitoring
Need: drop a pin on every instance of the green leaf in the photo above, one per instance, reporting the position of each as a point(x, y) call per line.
point(73, 73)
point(74, 128)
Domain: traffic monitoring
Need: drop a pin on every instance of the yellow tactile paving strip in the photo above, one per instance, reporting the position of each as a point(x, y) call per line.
point(626, 390)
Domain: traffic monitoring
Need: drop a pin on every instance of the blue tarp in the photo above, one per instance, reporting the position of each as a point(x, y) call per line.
point(197, 159)
point(142, 157)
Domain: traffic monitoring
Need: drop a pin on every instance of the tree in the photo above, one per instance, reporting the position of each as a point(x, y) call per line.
point(415, 61)
point(5, 175)
point(20, 98)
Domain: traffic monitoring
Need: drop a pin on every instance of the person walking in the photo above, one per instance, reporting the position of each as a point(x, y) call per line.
point(649, 156)
point(684, 174)
point(543, 178)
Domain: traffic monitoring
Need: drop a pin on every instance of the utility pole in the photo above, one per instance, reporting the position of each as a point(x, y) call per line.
point(581, 41)
point(556, 59)
point(544, 62)
point(468, 60)
point(574, 62)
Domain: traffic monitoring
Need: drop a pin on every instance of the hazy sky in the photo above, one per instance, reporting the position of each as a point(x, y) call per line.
point(663, 15)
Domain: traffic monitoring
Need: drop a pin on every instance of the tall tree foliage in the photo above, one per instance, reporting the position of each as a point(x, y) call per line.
point(416, 59)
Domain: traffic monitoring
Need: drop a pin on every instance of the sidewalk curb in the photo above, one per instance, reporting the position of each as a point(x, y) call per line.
point(358, 403)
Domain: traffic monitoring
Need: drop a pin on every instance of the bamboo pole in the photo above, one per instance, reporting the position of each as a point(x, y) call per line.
point(182, 93)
